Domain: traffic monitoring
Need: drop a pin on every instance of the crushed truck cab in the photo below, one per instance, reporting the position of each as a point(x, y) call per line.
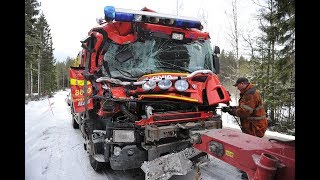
point(145, 84)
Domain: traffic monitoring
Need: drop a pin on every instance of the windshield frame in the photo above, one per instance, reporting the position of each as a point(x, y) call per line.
point(157, 55)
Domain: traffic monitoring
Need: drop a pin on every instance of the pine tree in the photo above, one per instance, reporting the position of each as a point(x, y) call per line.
point(275, 75)
point(69, 62)
point(31, 42)
point(62, 73)
point(46, 58)
point(228, 67)
point(286, 21)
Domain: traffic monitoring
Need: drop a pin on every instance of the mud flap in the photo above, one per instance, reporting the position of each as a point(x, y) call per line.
point(77, 90)
point(164, 167)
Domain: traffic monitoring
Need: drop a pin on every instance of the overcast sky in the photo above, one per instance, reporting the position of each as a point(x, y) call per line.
point(70, 20)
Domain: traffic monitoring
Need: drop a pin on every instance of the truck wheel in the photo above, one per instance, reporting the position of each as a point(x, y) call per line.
point(96, 165)
point(75, 125)
point(95, 148)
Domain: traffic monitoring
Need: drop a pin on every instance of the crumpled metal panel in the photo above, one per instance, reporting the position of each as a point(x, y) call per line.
point(164, 167)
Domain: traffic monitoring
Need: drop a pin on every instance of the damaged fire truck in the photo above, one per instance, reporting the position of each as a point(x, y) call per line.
point(145, 85)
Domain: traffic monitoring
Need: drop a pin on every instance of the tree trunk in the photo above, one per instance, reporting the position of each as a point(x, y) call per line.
point(39, 74)
point(31, 81)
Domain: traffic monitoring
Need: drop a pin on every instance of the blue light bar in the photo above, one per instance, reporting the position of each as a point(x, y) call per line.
point(187, 23)
point(109, 12)
point(150, 17)
point(120, 16)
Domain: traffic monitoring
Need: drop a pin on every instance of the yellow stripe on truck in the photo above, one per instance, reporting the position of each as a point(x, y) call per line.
point(168, 96)
point(76, 82)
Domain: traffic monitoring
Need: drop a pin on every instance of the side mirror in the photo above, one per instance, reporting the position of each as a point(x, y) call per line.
point(216, 50)
point(216, 63)
point(215, 58)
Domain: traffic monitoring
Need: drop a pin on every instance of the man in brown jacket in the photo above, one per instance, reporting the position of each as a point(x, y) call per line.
point(250, 109)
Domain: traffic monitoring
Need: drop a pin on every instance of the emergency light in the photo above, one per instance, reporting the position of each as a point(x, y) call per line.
point(127, 15)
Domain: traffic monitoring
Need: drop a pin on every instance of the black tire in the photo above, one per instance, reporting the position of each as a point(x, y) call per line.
point(96, 165)
point(75, 125)
point(93, 124)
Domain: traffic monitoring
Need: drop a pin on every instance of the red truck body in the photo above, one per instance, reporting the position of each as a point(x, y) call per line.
point(146, 82)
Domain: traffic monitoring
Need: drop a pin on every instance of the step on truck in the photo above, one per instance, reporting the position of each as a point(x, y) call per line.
point(145, 84)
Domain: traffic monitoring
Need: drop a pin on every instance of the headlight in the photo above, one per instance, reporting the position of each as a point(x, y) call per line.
point(164, 84)
point(181, 85)
point(123, 136)
point(116, 150)
point(149, 85)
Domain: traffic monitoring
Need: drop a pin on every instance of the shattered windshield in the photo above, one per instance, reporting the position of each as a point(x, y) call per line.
point(131, 61)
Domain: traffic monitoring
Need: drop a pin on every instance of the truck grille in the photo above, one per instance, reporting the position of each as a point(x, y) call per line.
point(158, 117)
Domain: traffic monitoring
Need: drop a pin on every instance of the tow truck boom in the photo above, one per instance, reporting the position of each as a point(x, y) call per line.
point(260, 158)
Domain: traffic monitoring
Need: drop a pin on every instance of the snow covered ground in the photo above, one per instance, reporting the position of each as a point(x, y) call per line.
point(54, 150)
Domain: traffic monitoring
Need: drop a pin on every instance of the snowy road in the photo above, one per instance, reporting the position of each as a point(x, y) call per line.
point(54, 150)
